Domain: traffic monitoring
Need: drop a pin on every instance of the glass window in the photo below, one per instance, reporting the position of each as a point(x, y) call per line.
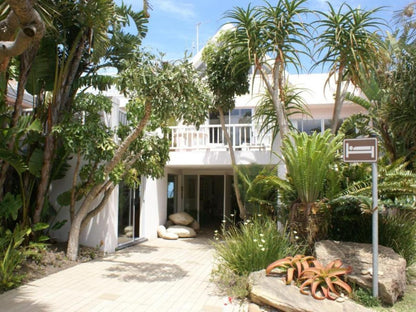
point(311, 126)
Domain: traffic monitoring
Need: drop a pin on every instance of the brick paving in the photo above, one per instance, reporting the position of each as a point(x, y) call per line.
point(154, 276)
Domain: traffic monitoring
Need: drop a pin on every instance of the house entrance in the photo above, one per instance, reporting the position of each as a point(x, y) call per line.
point(207, 198)
point(211, 200)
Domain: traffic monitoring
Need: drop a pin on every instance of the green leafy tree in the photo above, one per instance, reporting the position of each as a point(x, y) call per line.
point(349, 44)
point(227, 75)
point(89, 141)
point(273, 36)
point(157, 91)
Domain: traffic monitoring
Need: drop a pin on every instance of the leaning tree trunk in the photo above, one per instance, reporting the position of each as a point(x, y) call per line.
point(241, 208)
point(82, 213)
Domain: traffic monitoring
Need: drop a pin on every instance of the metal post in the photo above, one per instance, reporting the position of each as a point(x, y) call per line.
point(375, 230)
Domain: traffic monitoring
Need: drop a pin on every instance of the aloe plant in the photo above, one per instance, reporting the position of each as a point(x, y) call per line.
point(325, 278)
point(294, 266)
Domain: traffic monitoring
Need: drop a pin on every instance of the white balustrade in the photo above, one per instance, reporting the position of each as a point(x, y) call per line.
point(243, 137)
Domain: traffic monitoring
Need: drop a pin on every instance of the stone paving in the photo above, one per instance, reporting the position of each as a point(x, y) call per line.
point(154, 276)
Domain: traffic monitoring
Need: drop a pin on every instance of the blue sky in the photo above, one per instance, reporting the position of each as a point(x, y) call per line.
point(173, 23)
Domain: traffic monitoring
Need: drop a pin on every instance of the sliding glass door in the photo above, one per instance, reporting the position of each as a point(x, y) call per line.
point(128, 214)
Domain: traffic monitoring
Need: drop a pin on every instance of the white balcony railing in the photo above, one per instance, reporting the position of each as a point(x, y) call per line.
point(243, 137)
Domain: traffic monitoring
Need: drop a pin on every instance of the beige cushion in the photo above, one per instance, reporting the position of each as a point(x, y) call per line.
point(181, 231)
point(181, 218)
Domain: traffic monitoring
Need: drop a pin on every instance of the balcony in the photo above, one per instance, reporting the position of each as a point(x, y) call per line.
point(211, 137)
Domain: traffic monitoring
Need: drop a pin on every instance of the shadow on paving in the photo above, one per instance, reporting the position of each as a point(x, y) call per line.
point(18, 304)
point(139, 248)
point(146, 272)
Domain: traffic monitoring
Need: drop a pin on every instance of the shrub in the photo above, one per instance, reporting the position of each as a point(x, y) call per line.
point(252, 246)
point(395, 231)
point(399, 233)
point(14, 251)
point(11, 256)
point(246, 248)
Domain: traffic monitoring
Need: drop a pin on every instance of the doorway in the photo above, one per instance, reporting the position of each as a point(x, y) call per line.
point(211, 200)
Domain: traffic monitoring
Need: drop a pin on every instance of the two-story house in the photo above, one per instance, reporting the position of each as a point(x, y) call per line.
point(198, 177)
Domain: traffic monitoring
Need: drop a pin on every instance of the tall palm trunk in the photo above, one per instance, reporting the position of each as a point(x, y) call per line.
point(241, 208)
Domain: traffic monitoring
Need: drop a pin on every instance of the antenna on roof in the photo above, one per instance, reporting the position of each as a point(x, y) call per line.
point(197, 37)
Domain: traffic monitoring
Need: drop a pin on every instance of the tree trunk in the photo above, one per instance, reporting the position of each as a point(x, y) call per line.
point(339, 100)
point(275, 88)
point(242, 209)
point(108, 190)
point(75, 230)
point(61, 98)
point(82, 213)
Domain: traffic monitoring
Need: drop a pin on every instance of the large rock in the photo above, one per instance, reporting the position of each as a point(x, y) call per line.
point(181, 218)
point(273, 291)
point(181, 231)
point(391, 266)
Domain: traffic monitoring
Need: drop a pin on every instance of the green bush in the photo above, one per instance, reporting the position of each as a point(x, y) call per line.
point(11, 256)
point(252, 246)
point(399, 233)
point(246, 248)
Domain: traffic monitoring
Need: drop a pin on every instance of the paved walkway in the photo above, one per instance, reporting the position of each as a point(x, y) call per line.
point(155, 276)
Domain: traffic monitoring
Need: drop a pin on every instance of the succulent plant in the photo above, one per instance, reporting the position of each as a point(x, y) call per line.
point(293, 266)
point(326, 279)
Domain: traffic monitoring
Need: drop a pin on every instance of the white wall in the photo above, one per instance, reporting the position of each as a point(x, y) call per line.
point(101, 232)
point(102, 229)
point(214, 158)
point(153, 211)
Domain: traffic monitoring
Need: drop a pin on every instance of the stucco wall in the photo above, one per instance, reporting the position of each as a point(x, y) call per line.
point(153, 203)
point(102, 229)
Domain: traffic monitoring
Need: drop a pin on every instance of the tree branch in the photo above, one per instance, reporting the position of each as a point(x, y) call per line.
point(110, 187)
point(29, 26)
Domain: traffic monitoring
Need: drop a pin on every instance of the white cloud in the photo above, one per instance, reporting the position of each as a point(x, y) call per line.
point(180, 10)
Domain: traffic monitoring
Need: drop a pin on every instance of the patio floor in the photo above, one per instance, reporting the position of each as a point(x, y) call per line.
point(155, 276)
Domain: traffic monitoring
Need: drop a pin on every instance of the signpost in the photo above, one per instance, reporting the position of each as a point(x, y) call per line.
point(360, 150)
point(365, 150)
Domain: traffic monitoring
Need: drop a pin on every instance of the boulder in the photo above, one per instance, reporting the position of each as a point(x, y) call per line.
point(162, 233)
point(181, 231)
point(181, 218)
point(391, 266)
point(273, 291)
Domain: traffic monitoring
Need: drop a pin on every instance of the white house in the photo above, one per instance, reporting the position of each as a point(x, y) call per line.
point(198, 177)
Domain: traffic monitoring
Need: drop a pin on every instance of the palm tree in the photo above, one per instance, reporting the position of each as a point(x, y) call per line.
point(272, 36)
point(348, 42)
point(265, 114)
